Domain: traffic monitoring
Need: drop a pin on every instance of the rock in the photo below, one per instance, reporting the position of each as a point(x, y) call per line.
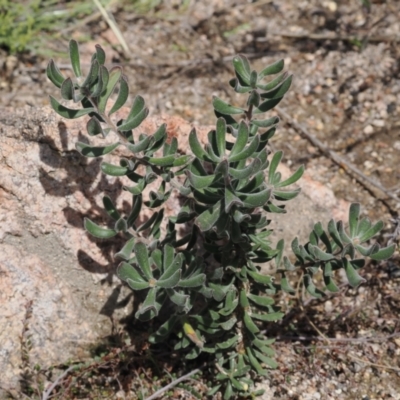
point(46, 258)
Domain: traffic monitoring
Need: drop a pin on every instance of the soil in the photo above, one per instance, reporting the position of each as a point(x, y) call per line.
point(346, 92)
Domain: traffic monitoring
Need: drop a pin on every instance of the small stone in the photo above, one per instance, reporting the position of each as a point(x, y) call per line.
point(368, 130)
point(379, 123)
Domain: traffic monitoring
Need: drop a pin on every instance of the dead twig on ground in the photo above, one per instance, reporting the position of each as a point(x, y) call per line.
point(47, 393)
point(333, 37)
point(339, 160)
point(172, 384)
point(351, 340)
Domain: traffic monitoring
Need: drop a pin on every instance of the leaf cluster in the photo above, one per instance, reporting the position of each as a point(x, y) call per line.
point(206, 289)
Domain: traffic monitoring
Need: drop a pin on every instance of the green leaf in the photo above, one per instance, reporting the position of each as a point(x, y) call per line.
point(196, 147)
point(261, 300)
point(231, 200)
point(292, 179)
point(284, 196)
point(241, 140)
point(136, 208)
point(168, 257)
point(242, 67)
point(149, 305)
point(354, 215)
point(93, 151)
point(276, 316)
point(280, 90)
point(266, 360)
point(209, 217)
point(123, 94)
point(319, 254)
point(254, 362)
point(272, 69)
point(162, 161)
point(98, 231)
point(371, 232)
point(93, 127)
point(181, 160)
point(228, 343)
point(310, 287)
point(113, 79)
point(178, 298)
point(265, 123)
point(249, 324)
point(246, 172)
point(200, 182)
point(100, 54)
point(221, 136)
point(74, 57)
point(91, 78)
point(54, 74)
point(67, 90)
point(142, 258)
point(194, 281)
point(351, 273)
point(66, 112)
point(274, 83)
point(113, 170)
point(110, 208)
point(247, 152)
point(169, 282)
point(252, 200)
point(141, 145)
point(101, 84)
point(129, 274)
point(276, 159)
point(174, 267)
point(259, 278)
point(268, 105)
point(384, 254)
point(136, 116)
point(135, 190)
point(225, 108)
point(126, 252)
point(148, 223)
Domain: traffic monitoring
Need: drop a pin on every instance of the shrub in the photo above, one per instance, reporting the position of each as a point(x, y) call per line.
point(206, 290)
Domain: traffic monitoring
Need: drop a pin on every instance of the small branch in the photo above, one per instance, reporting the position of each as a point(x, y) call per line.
point(346, 165)
point(47, 392)
point(329, 36)
point(373, 364)
point(172, 384)
point(110, 21)
point(351, 340)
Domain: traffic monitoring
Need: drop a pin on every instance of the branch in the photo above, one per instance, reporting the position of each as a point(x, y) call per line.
point(172, 384)
point(47, 393)
point(335, 157)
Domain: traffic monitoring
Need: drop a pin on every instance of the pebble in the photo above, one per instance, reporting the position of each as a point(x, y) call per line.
point(368, 130)
point(379, 123)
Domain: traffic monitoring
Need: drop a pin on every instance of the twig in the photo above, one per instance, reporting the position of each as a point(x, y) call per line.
point(346, 165)
point(373, 364)
point(361, 340)
point(329, 36)
point(172, 384)
point(113, 27)
point(47, 393)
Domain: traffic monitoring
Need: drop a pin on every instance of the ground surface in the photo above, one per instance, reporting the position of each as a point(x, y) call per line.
point(346, 93)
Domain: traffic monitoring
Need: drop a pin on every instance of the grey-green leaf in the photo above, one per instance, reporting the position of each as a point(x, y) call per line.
point(142, 258)
point(68, 112)
point(93, 151)
point(225, 108)
point(98, 231)
point(74, 57)
point(54, 74)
